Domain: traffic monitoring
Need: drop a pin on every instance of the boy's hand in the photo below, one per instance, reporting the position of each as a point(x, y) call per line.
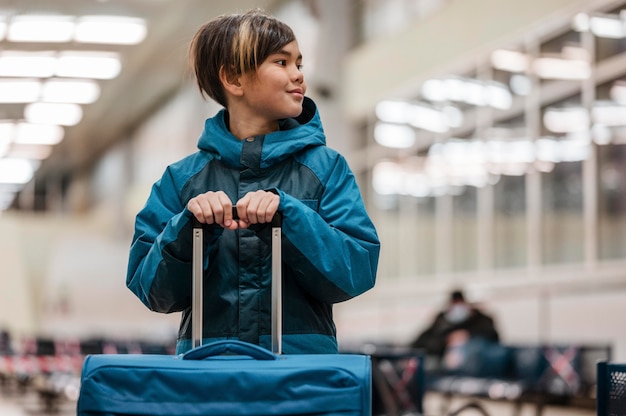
point(257, 208)
point(213, 208)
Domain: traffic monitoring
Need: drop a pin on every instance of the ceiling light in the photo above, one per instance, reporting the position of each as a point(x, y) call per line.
point(394, 135)
point(393, 111)
point(566, 120)
point(575, 52)
point(111, 30)
point(387, 178)
point(42, 134)
point(4, 147)
point(468, 90)
point(79, 64)
point(6, 131)
point(30, 151)
point(603, 26)
point(474, 93)
point(19, 171)
point(428, 119)
point(76, 91)
point(435, 90)
point(498, 96)
point(19, 90)
point(609, 115)
point(31, 28)
point(602, 135)
point(453, 116)
point(53, 113)
point(566, 69)
point(511, 61)
point(27, 64)
point(516, 151)
point(520, 84)
point(618, 92)
point(611, 27)
point(581, 22)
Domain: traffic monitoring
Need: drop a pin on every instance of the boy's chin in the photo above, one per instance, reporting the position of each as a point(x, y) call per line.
point(296, 112)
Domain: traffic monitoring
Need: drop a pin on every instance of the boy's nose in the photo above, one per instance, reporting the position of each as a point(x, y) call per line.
point(297, 75)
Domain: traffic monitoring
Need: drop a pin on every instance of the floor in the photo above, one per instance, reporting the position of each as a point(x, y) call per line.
point(14, 403)
point(30, 405)
point(433, 407)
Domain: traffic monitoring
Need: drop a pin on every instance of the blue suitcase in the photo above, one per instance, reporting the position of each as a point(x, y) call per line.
point(227, 378)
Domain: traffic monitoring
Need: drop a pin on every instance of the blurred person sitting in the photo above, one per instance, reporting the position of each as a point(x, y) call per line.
point(458, 331)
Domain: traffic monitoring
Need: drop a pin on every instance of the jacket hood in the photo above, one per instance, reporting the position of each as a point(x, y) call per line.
point(294, 135)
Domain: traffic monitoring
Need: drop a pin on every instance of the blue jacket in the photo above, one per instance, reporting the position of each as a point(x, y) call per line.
point(330, 246)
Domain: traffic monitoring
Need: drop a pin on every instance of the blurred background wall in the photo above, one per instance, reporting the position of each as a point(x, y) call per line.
point(487, 137)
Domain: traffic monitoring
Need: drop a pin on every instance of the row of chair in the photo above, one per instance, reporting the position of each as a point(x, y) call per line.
point(568, 377)
point(51, 367)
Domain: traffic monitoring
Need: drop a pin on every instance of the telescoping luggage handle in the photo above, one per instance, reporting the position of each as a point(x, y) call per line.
point(197, 283)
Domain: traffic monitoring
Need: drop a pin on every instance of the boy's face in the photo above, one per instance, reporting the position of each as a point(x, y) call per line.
point(276, 90)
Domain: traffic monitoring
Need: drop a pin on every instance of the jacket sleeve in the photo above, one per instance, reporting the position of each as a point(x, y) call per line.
point(333, 252)
point(159, 265)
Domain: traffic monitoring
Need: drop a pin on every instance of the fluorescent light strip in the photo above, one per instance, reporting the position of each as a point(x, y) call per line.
point(566, 120)
point(110, 30)
point(29, 151)
point(97, 65)
point(6, 131)
point(56, 90)
point(30, 134)
point(394, 135)
point(511, 61)
point(19, 90)
point(4, 148)
point(102, 29)
point(17, 171)
point(557, 68)
point(27, 64)
point(611, 27)
point(76, 91)
point(602, 25)
point(53, 113)
point(70, 64)
point(34, 28)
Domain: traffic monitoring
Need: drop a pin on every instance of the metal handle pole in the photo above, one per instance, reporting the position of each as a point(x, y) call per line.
point(197, 285)
point(277, 307)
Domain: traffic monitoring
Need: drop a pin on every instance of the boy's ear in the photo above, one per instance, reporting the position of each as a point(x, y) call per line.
point(230, 82)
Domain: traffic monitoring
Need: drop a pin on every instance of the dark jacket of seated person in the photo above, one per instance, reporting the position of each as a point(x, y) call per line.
point(456, 325)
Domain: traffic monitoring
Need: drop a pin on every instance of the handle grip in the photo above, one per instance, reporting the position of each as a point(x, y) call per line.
point(229, 347)
point(277, 220)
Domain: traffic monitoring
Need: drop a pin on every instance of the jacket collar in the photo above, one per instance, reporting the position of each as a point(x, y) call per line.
point(294, 135)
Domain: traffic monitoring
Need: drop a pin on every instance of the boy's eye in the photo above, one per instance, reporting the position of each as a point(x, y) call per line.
point(282, 62)
point(299, 67)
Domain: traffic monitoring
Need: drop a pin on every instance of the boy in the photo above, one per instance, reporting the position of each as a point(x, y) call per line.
point(264, 152)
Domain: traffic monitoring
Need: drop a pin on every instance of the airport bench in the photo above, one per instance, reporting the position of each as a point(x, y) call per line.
point(546, 374)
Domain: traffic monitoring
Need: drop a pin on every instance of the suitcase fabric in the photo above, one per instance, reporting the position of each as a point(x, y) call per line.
point(265, 384)
point(226, 378)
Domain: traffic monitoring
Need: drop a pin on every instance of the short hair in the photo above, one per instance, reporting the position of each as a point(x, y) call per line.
point(239, 43)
